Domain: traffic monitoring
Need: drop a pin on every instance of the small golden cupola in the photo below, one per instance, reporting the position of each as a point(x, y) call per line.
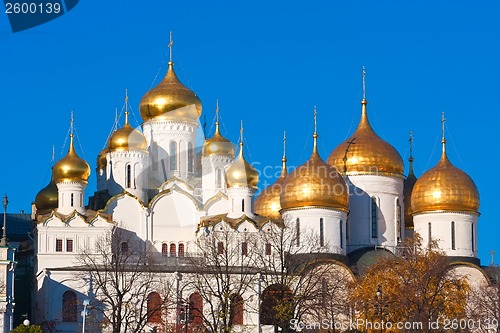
point(71, 168)
point(315, 184)
point(47, 198)
point(267, 203)
point(217, 145)
point(408, 185)
point(102, 159)
point(170, 99)
point(365, 152)
point(444, 188)
point(240, 173)
point(126, 138)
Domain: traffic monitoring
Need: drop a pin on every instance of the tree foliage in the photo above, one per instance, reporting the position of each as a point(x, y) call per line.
point(415, 286)
point(27, 329)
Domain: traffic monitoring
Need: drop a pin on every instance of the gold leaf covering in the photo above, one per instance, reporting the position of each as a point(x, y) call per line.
point(268, 202)
point(101, 159)
point(368, 154)
point(127, 138)
point(170, 100)
point(444, 188)
point(48, 197)
point(240, 173)
point(71, 168)
point(217, 145)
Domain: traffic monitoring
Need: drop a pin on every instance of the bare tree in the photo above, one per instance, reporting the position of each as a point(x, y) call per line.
point(127, 282)
point(223, 278)
point(484, 303)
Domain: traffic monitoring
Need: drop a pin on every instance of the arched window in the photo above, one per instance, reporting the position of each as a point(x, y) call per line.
point(128, 176)
point(472, 236)
point(268, 249)
point(429, 233)
point(374, 217)
point(190, 157)
point(242, 205)
point(72, 197)
point(69, 307)
point(164, 249)
point(124, 248)
point(321, 233)
point(218, 178)
point(154, 308)
point(244, 248)
point(453, 235)
point(324, 291)
point(236, 309)
point(181, 250)
point(398, 220)
point(297, 232)
point(173, 250)
point(173, 155)
point(220, 248)
point(341, 234)
point(195, 309)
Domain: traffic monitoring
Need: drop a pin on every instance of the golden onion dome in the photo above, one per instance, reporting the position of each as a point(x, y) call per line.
point(127, 138)
point(444, 188)
point(217, 145)
point(71, 168)
point(101, 159)
point(48, 197)
point(267, 203)
point(170, 100)
point(365, 152)
point(240, 173)
point(315, 184)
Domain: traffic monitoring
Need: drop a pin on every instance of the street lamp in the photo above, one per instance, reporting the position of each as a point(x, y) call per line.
point(26, 321)
point(86, 303)
point(5, 202)
point(378, 300)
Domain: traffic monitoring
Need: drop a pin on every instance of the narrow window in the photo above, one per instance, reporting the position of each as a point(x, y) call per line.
point(220, 248)
point(59, 245)
point(429, 233)
point(268, 249)
point(347, 229)
point(154, 308)
point(164, 249)
point(341, 235)
point(195, 310)
point(173, 155)
point(190, 157)
point(374, 217)
point(321, 233)
point(69, 307)
point(124, 248)
point(181, 250)
point(297, 232)
point(69, 245)
point(128, 176)
point(244, 249)
point(398, 220)
point(236, 309)
point(173, 250)
point(72, 202)
point(218, 178)
point(472, 235)
point(324, 291)
point(453, 235)
point(242, 205)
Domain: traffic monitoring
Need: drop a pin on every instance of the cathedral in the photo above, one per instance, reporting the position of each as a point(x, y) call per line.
point(357, 204)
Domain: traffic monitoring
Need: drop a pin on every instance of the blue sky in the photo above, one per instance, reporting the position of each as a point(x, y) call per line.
point(268, 63)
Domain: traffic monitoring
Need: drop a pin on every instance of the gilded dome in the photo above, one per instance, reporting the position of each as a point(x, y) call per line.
point(268, 202)
point(315, 184)
point(171, 100)
point(101, 159)
point(240, 173)
point(127, 138)
point(217, 145)
point(444, 188)
point(48, 197)
point(71, 168)
point(366, 153)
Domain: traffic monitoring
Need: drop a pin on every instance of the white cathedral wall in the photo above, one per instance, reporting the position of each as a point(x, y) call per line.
point(128, 213)
point(159, 134)
point(387, 191)
point(441, 231)
point(240, 201)
point(173, 217)
point(213, 180)
point(71, 196)
point(334, 224)
point(216, 206)
point(116, 172)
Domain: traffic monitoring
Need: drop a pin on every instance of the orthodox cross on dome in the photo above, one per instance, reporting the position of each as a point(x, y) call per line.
point(71, 125)
point(170, 46)
point(126, 106)
point(284, 145)
point(241, 133)
point(364, 82)
point(315, 135)
point(53, 154)
point(410, 159)
point(443, 140)
point(217, 111)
